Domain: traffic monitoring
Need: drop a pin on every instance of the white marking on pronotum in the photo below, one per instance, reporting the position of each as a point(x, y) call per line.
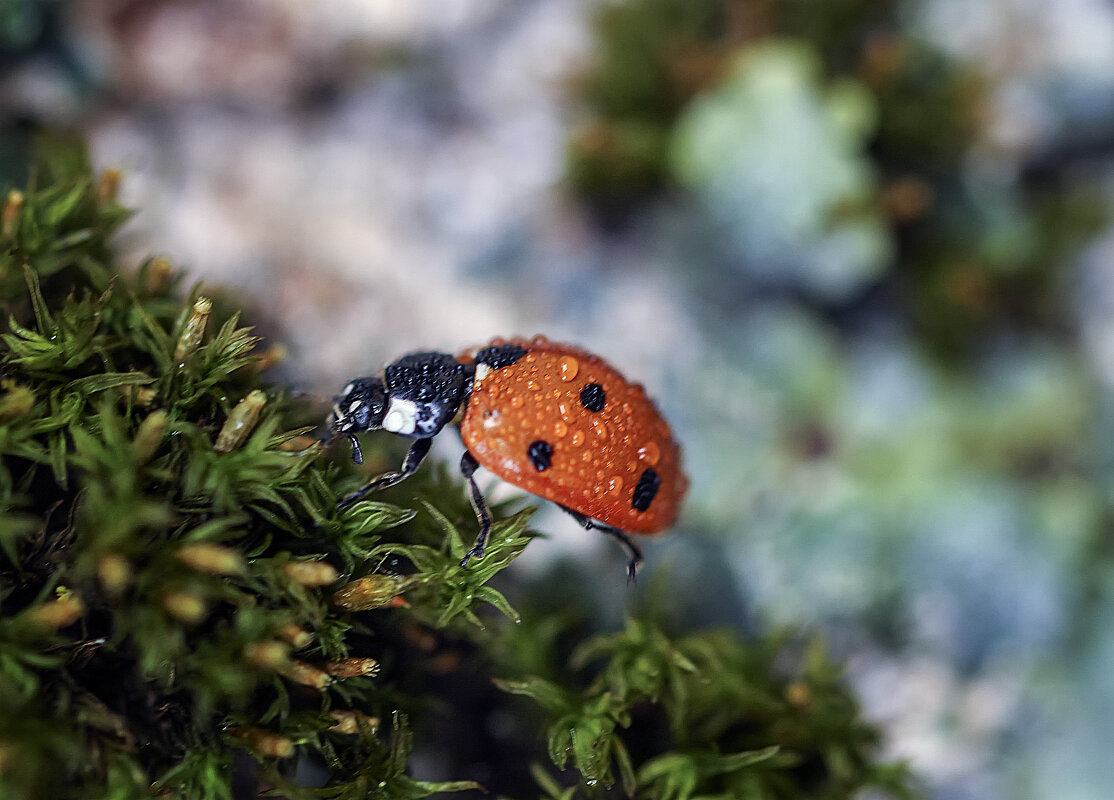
point(482, 371)
point(349, 388)
point(401, 417)
point(355, 404)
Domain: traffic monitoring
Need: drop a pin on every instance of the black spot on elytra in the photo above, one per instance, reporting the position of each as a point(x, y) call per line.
point(540, 454)
point(593, 397)
point(500, 355)
point(646, 489)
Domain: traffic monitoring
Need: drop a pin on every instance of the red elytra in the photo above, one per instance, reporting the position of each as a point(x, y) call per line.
point(603, 442)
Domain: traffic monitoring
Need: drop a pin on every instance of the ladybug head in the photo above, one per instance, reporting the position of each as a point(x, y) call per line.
point(360, 408)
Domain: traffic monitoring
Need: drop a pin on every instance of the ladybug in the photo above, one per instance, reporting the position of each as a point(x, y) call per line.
point(552, 419)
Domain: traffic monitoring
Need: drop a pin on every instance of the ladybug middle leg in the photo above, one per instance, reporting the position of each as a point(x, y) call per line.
point(414, 457)
point(620, 536)
point(468, 466)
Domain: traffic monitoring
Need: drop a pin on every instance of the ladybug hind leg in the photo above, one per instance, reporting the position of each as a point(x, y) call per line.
point(468, 467)
point(410, 464)
point(618, 535)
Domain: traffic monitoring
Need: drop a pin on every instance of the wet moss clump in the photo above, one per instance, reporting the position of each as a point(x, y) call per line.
point(184, 611)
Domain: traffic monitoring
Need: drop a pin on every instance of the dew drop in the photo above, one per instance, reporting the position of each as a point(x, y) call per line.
point(577, 438)
point(650, 453)
point(615, 485)
point(560, 429)
point(533, 385)
point(516, 401)
point(569, 366)
point(599, 429)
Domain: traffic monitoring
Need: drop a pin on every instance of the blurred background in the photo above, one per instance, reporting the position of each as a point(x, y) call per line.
point(861, 251)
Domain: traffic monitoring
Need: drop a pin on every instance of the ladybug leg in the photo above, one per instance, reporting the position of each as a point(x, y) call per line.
point(410, 464)
point(620, 536)
point(468, 466)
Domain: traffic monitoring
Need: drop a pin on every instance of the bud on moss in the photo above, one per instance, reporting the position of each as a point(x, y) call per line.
point(187, 607)
point(115, 574)
point(56, 614)
point(308, 675)
point(149, 436)
point(240, 422)
point(294, 636)
point(353, 667)
point(215, 559)
point(349, 721)
point(300, 444)
point(10, 215)
point(268, 655)
point(16, 401)
point(107, 185)
point(264, 743)
point(275, 354)
point(374, 591)
point(9, 756)
point(311, 573)
point(798, 694)
point(141, 396)
point(193, 333)
point(156, 275)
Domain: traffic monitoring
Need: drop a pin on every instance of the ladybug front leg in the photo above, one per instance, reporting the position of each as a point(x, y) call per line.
point(620, 536)
point(410, 464)
point(468, 466)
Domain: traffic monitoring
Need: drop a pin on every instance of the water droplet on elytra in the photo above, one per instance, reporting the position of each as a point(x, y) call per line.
point(650, 453)
point(569, 366)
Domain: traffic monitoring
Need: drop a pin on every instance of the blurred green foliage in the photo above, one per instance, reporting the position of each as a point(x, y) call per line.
point(973, 239)
point(183, 607)
point(22, 22)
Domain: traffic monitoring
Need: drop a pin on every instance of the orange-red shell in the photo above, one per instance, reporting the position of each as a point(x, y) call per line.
point(597, 456)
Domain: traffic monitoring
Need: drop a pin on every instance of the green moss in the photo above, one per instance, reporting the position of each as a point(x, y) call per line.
point(180, 598)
